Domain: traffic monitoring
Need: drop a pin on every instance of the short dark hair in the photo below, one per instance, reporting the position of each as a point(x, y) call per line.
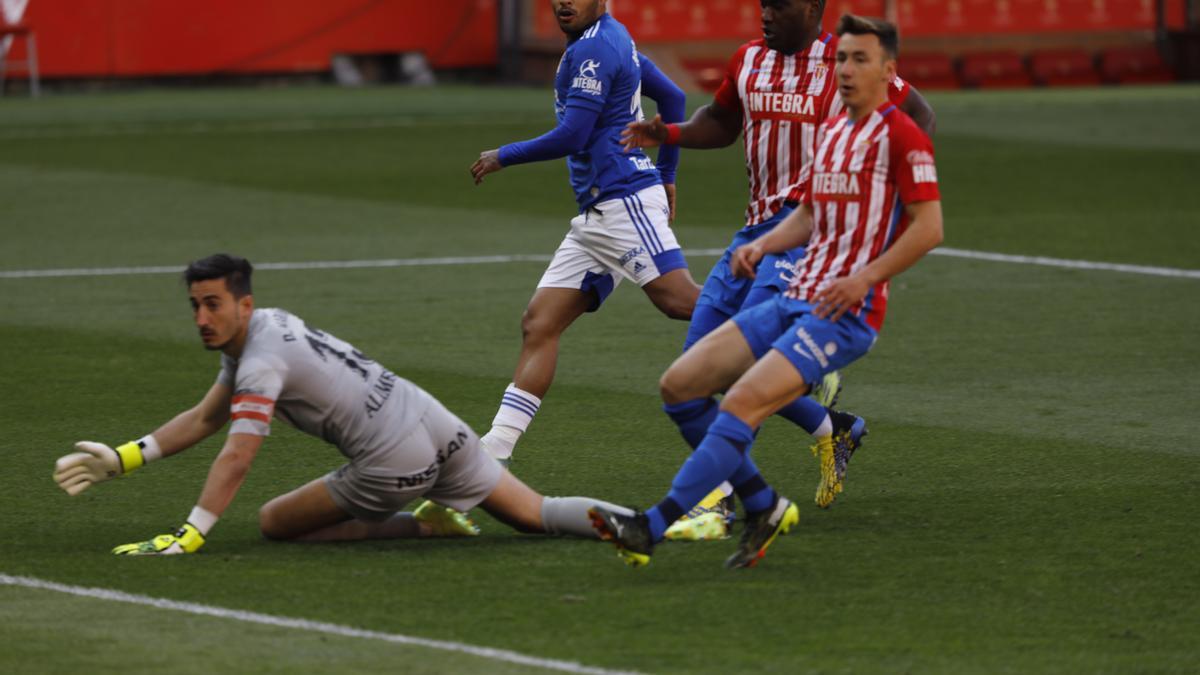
point(235, 270)
point(861, 25)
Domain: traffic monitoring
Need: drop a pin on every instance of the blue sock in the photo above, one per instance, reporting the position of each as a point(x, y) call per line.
point(805, 413)
point(750, 487)
point(693, 418)
point(716, 458)
point(705, 319)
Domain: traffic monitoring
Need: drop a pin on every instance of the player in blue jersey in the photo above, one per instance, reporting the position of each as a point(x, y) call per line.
point(626, 202)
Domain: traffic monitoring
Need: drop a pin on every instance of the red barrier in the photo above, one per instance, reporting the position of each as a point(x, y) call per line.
point(121, 38)
point(689, 20)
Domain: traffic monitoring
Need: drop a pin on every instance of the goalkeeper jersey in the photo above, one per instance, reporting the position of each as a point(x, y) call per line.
point(319, 384)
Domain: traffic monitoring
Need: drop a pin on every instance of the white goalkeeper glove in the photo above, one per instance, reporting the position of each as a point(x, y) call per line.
point(95, 463)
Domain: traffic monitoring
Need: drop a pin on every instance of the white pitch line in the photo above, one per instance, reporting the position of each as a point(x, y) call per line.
point(306, 625)
point(498, 259)
point(1069, 264)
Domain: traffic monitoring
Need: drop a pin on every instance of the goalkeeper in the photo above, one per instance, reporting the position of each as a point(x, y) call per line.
point(400, 443)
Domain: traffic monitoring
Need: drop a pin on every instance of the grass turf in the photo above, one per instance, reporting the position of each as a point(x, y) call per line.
point(1026, 500)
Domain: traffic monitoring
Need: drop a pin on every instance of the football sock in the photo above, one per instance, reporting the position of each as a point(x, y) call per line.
point(754, 492)
point(718, 456)
point(807, 414)
point(569, 515)
point(693, 418)
point(517, 408)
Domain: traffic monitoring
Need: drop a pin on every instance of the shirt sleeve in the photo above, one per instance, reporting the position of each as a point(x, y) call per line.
point(569, 137)
point(898, 90)
point(593, 68)
point(727, 93)
point(916, 172)
point(258, 386)
point(672, 105)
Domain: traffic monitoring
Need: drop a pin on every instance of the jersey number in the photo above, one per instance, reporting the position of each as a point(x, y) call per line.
point(319, 341)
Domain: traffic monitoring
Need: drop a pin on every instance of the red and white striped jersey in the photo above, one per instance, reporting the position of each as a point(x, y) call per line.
point(863, 176)
point(783, 99)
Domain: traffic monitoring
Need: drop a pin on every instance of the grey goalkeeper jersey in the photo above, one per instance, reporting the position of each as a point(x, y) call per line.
point(321, 385)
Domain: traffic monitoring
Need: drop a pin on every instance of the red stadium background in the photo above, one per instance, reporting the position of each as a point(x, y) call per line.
point(150, 38)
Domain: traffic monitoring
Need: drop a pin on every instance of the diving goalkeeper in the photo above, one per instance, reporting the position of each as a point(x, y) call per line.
point(400, 442)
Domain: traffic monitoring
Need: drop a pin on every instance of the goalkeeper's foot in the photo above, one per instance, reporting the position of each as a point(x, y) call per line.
point(761, 529)
point(826, 391)
point(445, 522)
point(834, 453)
point(703, 527)
point(631, 534)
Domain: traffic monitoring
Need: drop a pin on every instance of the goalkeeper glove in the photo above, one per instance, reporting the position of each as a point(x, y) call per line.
point(95, 463)
point(186, 539)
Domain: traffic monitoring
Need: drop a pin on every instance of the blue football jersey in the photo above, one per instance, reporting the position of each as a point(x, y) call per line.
point(600, 71)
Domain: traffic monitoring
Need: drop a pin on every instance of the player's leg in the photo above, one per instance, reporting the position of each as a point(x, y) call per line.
point(723, 455)
point(574, 283)
point(469, 477)
point(309, 513)
point(521, 507)
point(674, 293)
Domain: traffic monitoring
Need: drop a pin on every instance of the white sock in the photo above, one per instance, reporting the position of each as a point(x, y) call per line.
point(825, 429)
point(500, 441)
point(726, 487)
point(517, 408)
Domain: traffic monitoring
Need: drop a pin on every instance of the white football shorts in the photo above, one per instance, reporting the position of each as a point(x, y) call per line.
point(627, 238)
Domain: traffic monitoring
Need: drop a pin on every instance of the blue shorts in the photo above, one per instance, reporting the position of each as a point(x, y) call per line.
point(726, 292)
point(814, 346)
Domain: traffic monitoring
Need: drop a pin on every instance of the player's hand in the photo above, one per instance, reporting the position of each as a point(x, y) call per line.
point(745, 259)
point(644, 134)
point(488, 162)
point(186, 539)
point(669, 188)
point(94, 463)
point(840, 296)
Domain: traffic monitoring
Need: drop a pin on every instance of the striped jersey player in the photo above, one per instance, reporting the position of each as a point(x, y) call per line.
point(870, 208)
point(865, 172)
point(776, 93)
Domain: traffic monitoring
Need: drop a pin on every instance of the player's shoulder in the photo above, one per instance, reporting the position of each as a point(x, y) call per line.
point(903, 128)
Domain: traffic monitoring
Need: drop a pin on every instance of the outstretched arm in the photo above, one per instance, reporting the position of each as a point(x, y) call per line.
point(96, 462)
point(711, 126)
point(569, 137)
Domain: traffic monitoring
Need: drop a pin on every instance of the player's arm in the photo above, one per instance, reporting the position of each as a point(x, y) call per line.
point(794, 231)
point(568, 138)
point(711, 126)
point(909, 99)
point(672, 106)
point(97, 462)
point(225, 477)
point(917, 107)
point(924, 233)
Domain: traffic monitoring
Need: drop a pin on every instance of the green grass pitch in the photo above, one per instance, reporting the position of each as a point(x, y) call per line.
point(1027, 500)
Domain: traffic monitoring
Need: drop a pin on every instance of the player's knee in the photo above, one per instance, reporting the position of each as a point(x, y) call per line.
point(674, 387)
point(271, 525)
point(536, 327)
